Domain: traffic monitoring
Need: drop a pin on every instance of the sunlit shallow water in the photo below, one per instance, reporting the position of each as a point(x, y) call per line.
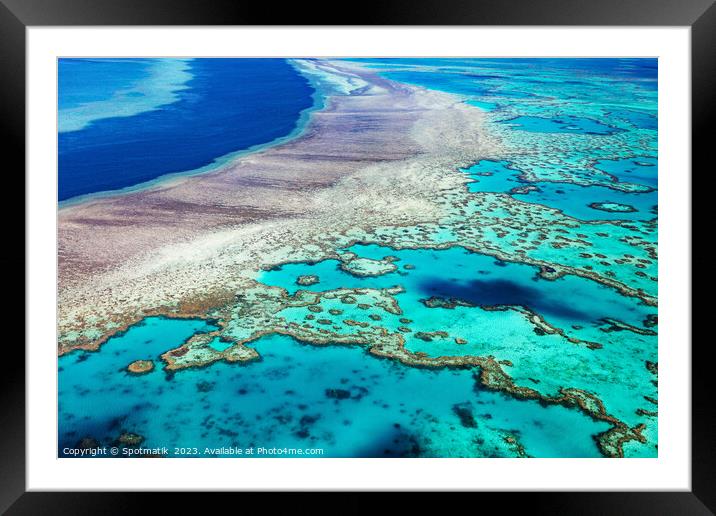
point(282, 402)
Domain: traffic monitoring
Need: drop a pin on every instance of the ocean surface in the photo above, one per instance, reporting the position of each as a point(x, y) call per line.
point(122, 122)
point(590, 127)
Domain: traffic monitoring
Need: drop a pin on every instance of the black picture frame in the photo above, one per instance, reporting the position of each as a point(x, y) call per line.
point(17, 15)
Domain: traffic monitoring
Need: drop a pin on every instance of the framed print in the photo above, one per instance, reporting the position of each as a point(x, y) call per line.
point(444, 250)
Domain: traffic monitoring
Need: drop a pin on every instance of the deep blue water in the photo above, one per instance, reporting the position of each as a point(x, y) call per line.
point(227, 106)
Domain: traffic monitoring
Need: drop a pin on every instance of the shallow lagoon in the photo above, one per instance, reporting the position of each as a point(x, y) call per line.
point(576, 305)
point(643, 170)
point(574, 200)
point(282, 401)
point(474, 277)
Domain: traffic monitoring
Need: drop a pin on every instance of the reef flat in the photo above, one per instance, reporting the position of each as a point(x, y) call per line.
point(418, 226)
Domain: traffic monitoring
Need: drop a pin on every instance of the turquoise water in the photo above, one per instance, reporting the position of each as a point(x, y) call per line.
point(473, 277)
point(488, 106)
point(566, 124)
point(642, 170)
point(573, 200)
point(612, 371)
point(638, 119)
point(282, 402)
